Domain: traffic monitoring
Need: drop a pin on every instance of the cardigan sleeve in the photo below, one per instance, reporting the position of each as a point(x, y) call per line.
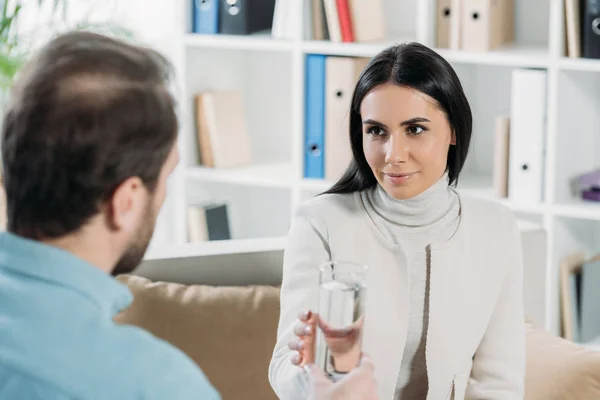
point(307, 248)
point(499, 363)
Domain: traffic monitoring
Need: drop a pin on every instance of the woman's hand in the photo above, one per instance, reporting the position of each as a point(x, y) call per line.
point(304, 344)
point(358, 384)
point(343, 344)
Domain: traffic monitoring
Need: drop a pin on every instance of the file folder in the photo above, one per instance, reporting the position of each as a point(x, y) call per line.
point(243, 17)
point(443, 16)
point(486, 24)
point(527, 132)
point(456, 15)
point(205, 16)
point(340, 79)
point(368, 20)
point(314, 117)
point(591, 29)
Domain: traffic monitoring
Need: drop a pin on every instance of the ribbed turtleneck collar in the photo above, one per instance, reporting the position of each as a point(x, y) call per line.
point(421, 210)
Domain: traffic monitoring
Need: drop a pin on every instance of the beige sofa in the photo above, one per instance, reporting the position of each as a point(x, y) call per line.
point(230, 332)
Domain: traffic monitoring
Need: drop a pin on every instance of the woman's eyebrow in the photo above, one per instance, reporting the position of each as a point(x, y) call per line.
point(414, 121)
point(373, 122)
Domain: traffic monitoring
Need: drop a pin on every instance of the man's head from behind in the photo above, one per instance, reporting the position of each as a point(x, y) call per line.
point(89, 139)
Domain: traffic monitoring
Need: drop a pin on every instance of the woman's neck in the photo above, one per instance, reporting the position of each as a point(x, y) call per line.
point(421, 210)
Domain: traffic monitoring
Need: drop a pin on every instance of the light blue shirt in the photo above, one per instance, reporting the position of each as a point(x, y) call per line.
point(58, 339)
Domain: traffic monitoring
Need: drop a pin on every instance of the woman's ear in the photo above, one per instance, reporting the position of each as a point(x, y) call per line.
point(453, 138)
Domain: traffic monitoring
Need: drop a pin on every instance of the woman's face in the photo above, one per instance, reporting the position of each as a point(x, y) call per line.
point(406, 138)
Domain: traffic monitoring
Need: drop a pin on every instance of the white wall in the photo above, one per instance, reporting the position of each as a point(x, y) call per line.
point(152, 22)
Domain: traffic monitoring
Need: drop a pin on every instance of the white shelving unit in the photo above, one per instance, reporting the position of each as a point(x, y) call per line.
point(270, 72)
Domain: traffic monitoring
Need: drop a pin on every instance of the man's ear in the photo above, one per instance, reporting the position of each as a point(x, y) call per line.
point(126, 204)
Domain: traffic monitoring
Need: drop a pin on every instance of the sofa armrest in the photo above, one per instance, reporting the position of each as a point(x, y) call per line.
point(558, 369)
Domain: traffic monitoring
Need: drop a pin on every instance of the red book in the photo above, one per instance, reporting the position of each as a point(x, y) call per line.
point(345, 20)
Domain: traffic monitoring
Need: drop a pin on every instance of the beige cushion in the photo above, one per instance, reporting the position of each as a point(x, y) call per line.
point(558, 369)
point(229, 332)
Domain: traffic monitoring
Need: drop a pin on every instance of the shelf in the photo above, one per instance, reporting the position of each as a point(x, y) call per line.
point(511, 55)
point(579, 209)
point(265, 175)
point(262, 42)
point(315, 185)
point(327, 47)
point(217, 247)
point(579, 64)
point(481, 187)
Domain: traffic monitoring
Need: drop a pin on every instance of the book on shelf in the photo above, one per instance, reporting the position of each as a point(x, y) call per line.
point(208, 222)
point(474, 25)
point(579, 297)
point(501, 155)
point(582, 28)
point(222, 129)
point(335, 20)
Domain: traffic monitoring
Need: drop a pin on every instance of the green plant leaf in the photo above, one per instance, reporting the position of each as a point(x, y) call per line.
point(9, 66)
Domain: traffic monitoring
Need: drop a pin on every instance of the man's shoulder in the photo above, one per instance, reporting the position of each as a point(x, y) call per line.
point(158, 367)
point(20, 384)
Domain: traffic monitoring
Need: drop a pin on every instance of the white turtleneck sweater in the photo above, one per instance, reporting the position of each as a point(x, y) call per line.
point(431, 217)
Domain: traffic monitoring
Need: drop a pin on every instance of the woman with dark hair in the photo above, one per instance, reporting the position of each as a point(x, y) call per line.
point(444, 312)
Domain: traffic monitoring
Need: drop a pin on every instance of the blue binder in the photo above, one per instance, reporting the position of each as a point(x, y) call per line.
point(205, 16)
point(314, 122)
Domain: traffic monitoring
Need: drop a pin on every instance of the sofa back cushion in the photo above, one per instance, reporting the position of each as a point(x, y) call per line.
point(229, 332)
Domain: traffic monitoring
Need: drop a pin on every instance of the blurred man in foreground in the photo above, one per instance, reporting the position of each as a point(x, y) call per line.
point(88, 142)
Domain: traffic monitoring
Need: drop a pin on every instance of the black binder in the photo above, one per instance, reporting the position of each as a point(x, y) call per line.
point(242, 17)
point(591, 29)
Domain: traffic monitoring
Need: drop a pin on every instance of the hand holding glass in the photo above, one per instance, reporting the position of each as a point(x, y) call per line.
point(336, 346)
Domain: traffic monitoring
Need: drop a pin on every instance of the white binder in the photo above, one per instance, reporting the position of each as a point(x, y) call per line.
point(527, 133)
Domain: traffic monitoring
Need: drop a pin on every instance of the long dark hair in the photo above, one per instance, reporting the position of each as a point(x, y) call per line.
point(416, 66)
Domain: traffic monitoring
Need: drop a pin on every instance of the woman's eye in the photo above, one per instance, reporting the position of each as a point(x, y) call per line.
point(375, 131)
point(415, 130)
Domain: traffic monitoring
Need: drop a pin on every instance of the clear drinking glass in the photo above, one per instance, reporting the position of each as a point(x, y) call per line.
point(341, 305)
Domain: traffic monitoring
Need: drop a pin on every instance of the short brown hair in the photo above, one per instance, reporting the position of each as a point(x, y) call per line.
point(87, 113)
